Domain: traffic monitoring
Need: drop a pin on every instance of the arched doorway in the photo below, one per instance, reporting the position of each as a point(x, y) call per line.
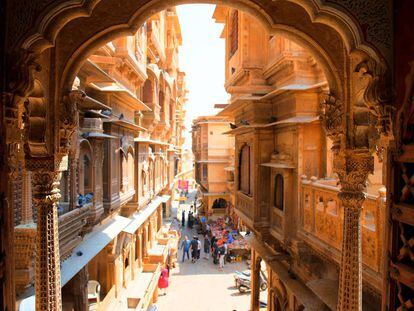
point(326, 39)
point(219, 203)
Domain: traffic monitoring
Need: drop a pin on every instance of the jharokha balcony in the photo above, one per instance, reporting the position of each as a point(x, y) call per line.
point(72, 226)
point(322, 214)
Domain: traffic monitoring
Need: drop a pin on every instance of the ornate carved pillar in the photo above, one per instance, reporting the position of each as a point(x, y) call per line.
point(45, 194)
point(98, 209)
point(255, 276)
point(80, 290)
point(73, 180)
point(353, 169)
point(27, 211)
point(139, 244)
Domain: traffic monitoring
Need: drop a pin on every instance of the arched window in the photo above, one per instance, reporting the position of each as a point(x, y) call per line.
point(126, 264)
point(131, 170)
point(148, 92)
point(87, 167)
point(244, 170)
point(219, 203)
point(123, 171)
point(161, 102)
point(234, 32)
point(143, 182)
point(278, 196)
point(151, 175)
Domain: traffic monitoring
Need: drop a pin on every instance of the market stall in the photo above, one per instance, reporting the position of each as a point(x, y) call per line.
point(238, 247)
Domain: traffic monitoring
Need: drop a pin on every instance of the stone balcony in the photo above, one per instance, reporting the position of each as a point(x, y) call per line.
point(321, 217)
point(71, 229)
point(244, 204)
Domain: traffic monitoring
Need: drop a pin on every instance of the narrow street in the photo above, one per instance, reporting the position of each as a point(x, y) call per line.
point(201, 286)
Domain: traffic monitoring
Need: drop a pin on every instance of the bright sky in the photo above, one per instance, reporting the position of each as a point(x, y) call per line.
point(202, 59)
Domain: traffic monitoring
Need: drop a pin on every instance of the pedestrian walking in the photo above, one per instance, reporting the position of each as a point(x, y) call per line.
point(185, 246)
point(215, 253)
point(183, 218)
point(198, 248)
point(213, 239)
point(163, 281)
point(225, 252)
point(190, 220)
point(221, 257)
point(207, 247)
point(194, 249)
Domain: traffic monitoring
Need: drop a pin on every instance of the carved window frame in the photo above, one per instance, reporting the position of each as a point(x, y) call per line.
point(233, 33)
point(244, 170)
point(279, 192)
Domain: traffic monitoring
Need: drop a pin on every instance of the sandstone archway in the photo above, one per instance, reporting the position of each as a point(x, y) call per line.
point(66, 33)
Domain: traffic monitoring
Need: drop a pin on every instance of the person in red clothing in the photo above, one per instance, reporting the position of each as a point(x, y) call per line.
point(163, 281)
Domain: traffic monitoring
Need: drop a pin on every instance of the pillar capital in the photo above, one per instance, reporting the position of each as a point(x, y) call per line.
point(353, 168)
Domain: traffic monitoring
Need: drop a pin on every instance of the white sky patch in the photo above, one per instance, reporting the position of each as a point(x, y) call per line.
point(202, 59)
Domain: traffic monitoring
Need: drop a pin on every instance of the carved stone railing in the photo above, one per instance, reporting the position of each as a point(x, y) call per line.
point(322, 218)
point(24, 248)
point(71, 226)
point(244, 203)
point(149, 292)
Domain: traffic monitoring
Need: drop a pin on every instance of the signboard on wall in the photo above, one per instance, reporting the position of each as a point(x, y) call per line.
point(183, 184)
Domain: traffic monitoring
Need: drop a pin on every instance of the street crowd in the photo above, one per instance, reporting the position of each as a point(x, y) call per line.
point(194, 246)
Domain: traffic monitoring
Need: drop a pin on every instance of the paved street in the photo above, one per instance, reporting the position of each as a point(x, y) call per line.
point(201, 286)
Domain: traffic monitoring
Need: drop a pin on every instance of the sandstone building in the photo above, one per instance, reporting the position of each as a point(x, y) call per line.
point(213, 164)
point(285, 189)
point(364, 50)
point(119, 174)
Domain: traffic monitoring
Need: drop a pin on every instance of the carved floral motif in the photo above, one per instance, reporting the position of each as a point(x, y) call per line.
point(331, 115)
point(68, 120)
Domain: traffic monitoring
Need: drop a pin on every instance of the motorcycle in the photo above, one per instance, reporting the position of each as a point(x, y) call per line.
point(243, 282)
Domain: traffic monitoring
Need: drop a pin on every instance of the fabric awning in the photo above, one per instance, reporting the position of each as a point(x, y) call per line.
point(97, 135)
point(91, 246)
point(165, 198)
point(140, 217)
point(278, 165)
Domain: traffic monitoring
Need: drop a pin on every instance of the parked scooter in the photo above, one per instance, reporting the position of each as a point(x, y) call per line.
point(243, 282)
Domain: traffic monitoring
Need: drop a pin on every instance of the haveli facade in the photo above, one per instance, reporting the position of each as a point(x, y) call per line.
point(286, 191)
point(213, 164)
point(118, 177)
point(362, 47)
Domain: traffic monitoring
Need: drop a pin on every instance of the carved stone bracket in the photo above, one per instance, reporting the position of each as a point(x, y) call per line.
point(377, 116)
point(378, 93)
point(69, 119)
point(332, 117)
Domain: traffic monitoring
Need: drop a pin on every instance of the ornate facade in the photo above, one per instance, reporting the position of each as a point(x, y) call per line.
point(214, 164)
point(289, 188)
point(122, 124)
point(45, 44)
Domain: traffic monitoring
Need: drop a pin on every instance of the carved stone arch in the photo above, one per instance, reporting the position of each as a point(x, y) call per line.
point(289, 29)
point(279, 296)
point(51, 21)
point(86, 170)
point(119, 244)
point(174, 89)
